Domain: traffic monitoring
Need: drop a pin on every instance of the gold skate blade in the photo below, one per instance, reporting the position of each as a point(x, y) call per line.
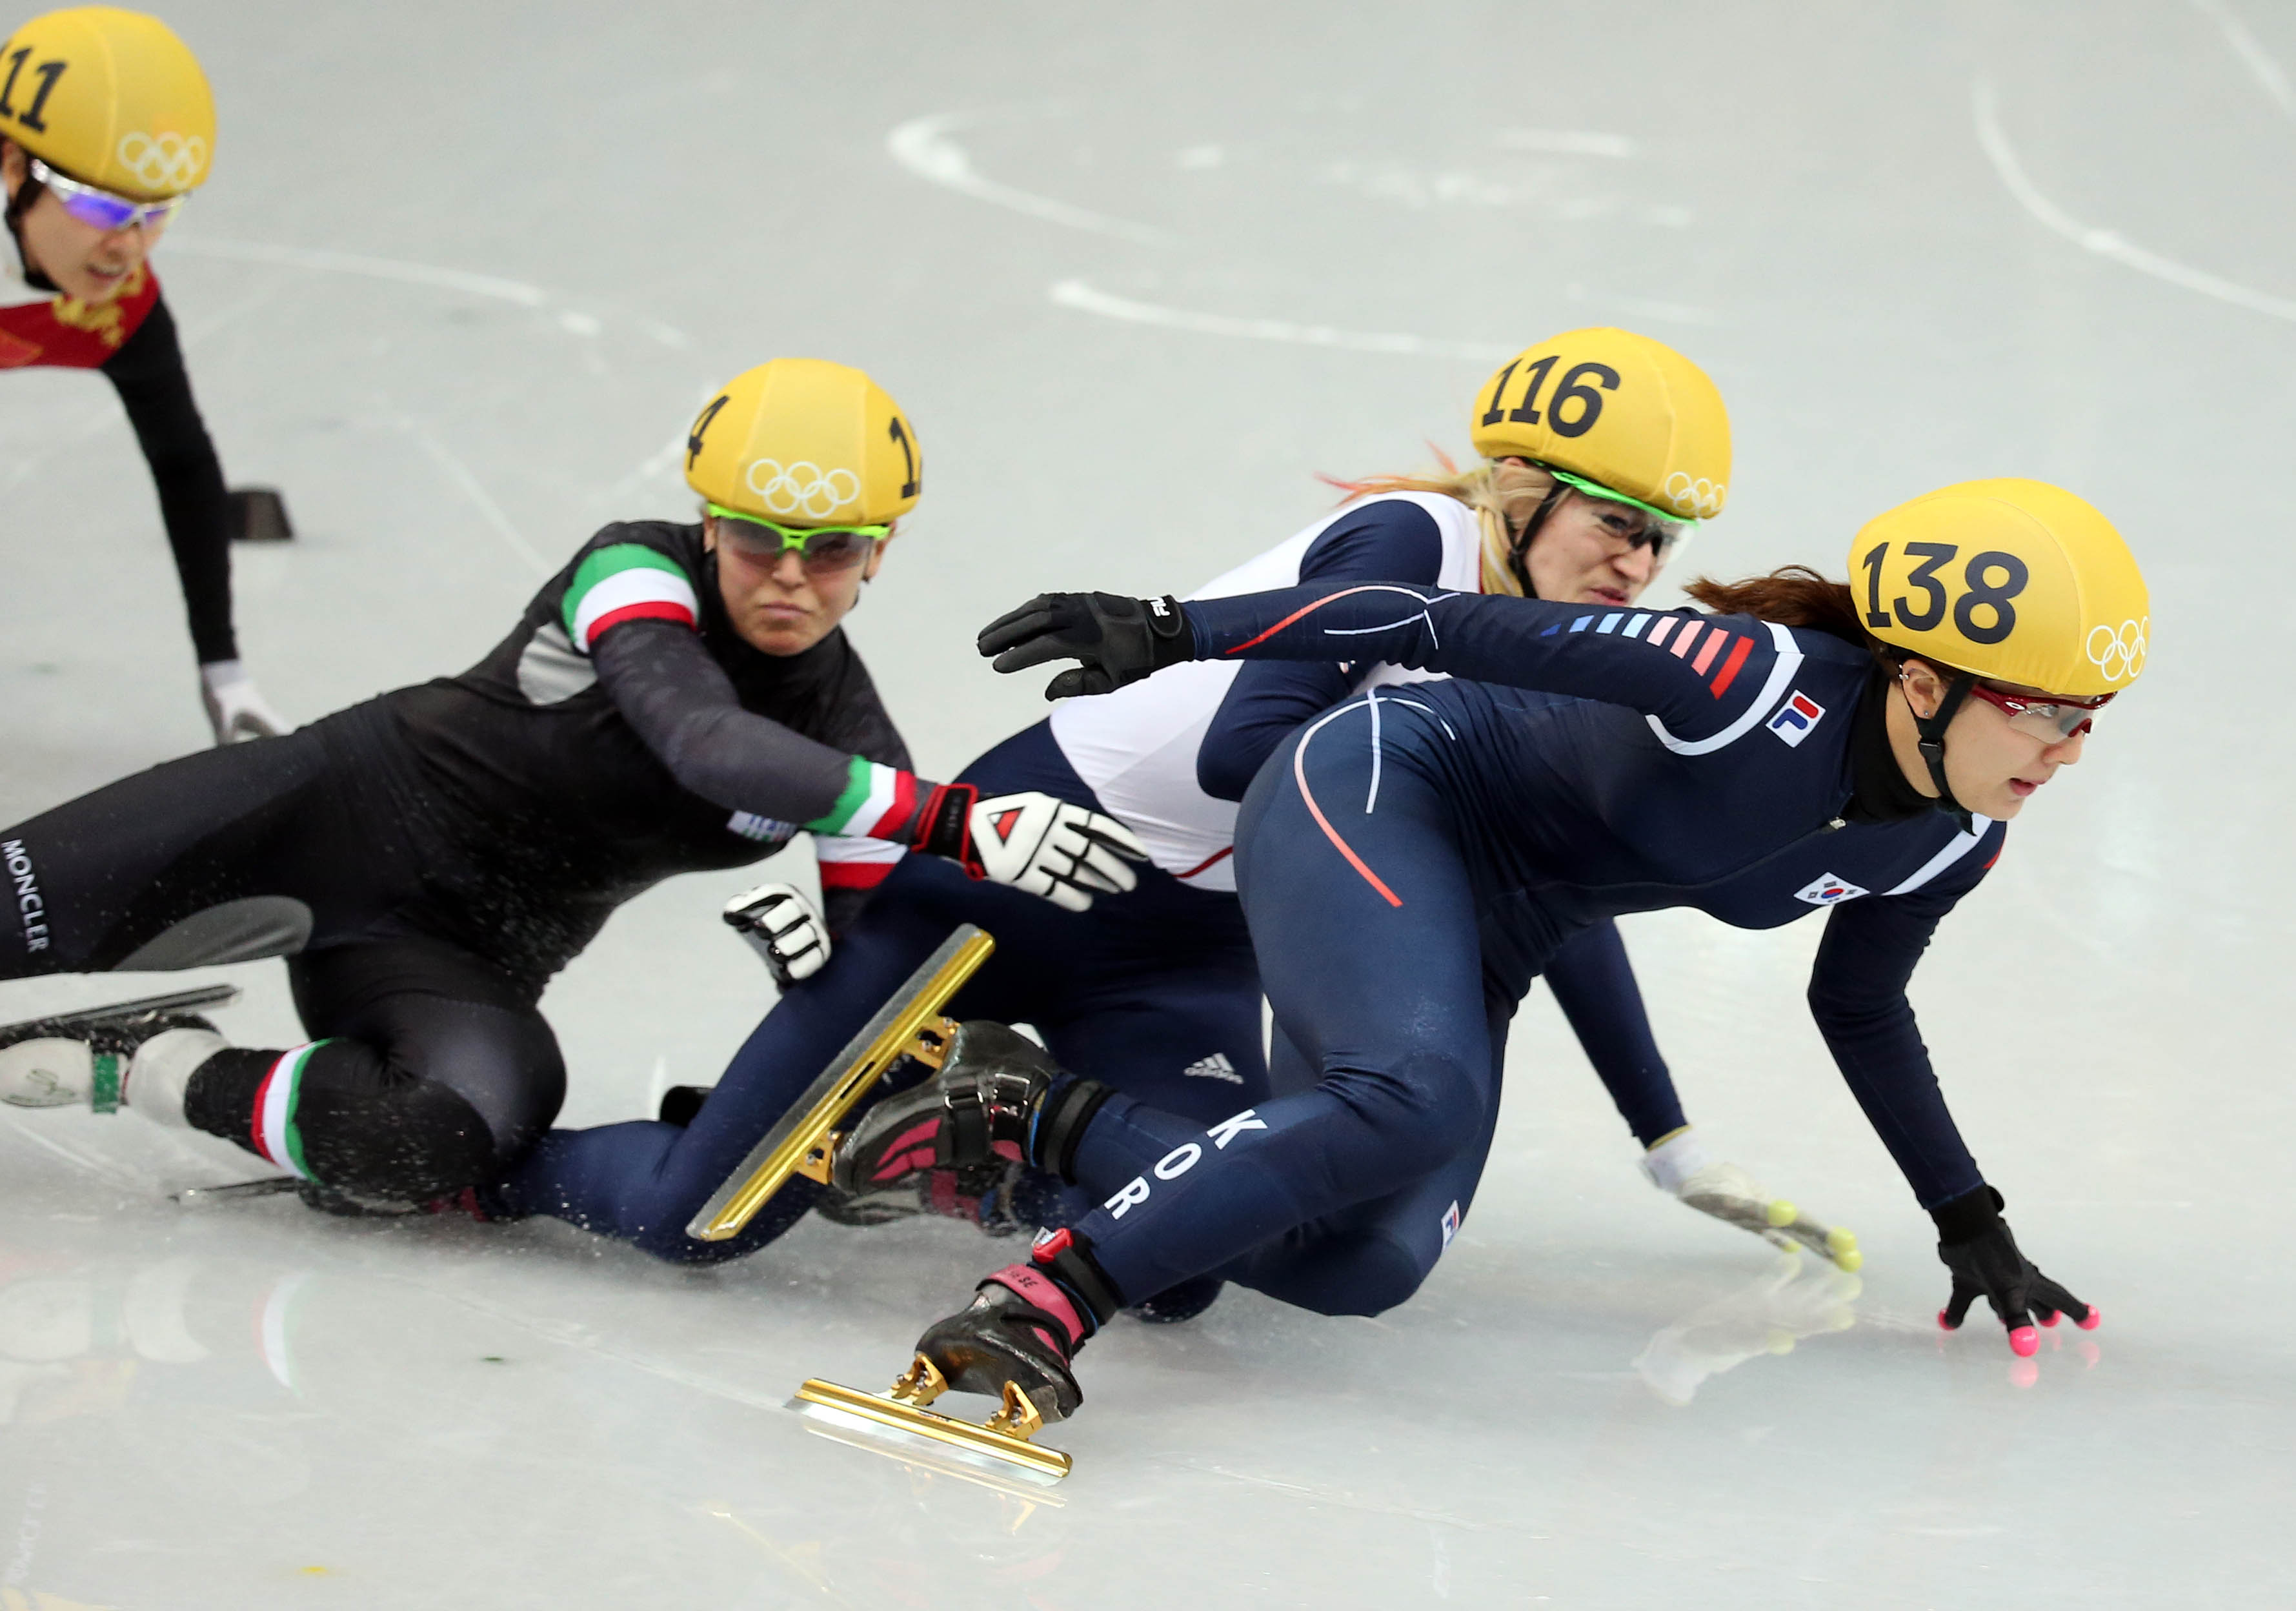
point(909, 1429)
point(797, 1144)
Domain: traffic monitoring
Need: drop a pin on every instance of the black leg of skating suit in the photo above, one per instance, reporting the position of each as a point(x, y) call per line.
point(436, 1072)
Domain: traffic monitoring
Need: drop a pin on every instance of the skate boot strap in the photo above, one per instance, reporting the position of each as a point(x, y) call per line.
point(1060, 1125)
point(993, 1108)
point(1067, 1258)
point(1033, 1299)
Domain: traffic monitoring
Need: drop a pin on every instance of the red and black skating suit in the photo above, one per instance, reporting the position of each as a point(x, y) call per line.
point(132, 339)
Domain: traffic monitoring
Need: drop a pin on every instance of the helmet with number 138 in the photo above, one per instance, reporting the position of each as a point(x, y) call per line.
point(2009, 593)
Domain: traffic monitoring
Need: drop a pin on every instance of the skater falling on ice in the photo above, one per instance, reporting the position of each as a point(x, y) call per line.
point(1409, 860)
point(106, 127)
point(1157, 992)
point(677, 698)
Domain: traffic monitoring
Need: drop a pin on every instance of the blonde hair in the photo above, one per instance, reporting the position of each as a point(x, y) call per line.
point(1504, 494)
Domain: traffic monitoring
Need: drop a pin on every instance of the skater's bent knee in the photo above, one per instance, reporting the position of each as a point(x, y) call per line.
point(414, 1141)
point(1427, 1105)
point(1377, 1275)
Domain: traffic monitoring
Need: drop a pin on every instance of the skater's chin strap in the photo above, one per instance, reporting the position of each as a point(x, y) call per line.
point(1929, 733)
point(1519, 549)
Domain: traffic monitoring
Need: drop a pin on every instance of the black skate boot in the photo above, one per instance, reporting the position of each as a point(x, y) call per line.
point(996, 1098)
point(1022, 1330)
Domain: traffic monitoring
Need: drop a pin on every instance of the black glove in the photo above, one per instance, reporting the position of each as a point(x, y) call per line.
point(1974, 1241)
point(1116, 640)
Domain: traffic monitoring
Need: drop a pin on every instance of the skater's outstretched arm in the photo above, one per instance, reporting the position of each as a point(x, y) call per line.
point(1858, 996)
point(1702, 679)
point(1388, 539)
point(154, 388)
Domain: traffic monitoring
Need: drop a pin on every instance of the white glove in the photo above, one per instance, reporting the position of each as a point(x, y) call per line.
point(781, 926)
point(1681, 1166)
point(1048, 847)
point(236, 710)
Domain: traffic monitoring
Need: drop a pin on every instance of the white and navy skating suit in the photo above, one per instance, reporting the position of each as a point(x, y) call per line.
point(1156, 993)
point(1412, 857)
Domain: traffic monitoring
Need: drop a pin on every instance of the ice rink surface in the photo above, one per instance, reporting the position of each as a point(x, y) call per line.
point(1138, 273)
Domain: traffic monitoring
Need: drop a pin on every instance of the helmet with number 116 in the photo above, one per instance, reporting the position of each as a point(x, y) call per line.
point(1615, 414)
point(805, 442)
point(2007, 580)
point(111, 98)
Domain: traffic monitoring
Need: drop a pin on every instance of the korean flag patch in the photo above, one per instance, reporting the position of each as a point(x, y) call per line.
point(1796, 717)
point(1829, 891)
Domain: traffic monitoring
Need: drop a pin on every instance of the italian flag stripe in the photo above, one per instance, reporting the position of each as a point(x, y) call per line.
point(877, 803)
point(855, 864)
point(627, 581)
point(276, 1137)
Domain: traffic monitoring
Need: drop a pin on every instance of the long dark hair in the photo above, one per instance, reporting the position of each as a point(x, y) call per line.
point(1794, 595)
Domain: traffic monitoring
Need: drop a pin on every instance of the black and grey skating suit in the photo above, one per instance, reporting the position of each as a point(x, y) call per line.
point(429, 859)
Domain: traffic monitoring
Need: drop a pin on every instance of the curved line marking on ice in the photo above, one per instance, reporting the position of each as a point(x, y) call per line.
point(2250, 50)
point(2105, 243)
point(1086, 299)
point(490, 286)
point(923, 145)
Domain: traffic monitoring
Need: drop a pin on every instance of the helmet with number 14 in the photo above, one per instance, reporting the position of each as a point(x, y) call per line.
point(804, 442)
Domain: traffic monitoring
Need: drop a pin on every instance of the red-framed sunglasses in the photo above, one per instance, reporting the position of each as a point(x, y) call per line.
point(2052, 720)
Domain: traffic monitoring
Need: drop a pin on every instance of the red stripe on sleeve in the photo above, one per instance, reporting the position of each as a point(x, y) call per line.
point(1310, 609)
point(855, 875)
point(1690, 631)
point(652, 609)
point(1729, 673)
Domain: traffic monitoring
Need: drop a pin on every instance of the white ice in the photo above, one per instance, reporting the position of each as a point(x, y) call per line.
point(1138, 272)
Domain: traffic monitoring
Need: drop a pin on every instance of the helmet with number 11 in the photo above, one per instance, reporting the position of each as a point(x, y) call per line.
point(110, 99)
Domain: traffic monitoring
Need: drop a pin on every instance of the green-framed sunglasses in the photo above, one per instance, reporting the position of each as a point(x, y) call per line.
point(818, 549)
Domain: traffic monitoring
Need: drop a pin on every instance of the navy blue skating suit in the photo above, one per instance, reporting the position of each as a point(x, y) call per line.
point(1411, 859)
point(1155, 992)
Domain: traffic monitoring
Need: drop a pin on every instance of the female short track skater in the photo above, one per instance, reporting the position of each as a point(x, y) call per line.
point(1157, 992)
point(106, 127)
point(678, 698)
point(1413, 855)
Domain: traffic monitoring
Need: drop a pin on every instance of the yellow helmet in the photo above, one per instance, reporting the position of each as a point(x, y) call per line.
point(2013, 581)
point(112, 98)
point(806, 443)
point(1614, 414)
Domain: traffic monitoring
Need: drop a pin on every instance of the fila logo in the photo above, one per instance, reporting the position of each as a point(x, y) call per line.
point(1215, 1067)
point(1450, 1223)
point(1828, 891)
point(1796, 717)
point(1003, 824)
point(1156, 608)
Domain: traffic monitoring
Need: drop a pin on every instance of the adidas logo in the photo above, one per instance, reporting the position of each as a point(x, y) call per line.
point(1215, 1067)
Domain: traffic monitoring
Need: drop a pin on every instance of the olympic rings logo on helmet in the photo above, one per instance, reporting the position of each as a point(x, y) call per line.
point(2118, 653)
point(803, 488)
point(1697, 498)
point(165, 163)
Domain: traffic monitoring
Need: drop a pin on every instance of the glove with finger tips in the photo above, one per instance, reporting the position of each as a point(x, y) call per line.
point(1975, 1243)
point(1115, 640)
point(1041, 844)
point(783, 928)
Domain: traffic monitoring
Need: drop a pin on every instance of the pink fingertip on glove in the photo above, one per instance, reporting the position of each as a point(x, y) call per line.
point(2024, 1342)
point(2096, 1318)
point(1944, 1324)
